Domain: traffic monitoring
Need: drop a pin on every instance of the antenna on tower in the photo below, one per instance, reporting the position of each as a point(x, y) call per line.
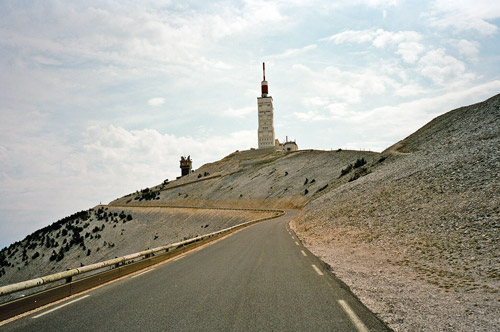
point(263, 84)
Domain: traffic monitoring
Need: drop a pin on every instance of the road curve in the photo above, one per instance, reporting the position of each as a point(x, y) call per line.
point(258, 279)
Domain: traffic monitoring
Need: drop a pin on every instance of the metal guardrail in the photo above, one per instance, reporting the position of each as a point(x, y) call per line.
point(120, 261)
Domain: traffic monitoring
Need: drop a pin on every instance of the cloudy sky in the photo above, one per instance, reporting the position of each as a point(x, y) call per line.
point(100, 98)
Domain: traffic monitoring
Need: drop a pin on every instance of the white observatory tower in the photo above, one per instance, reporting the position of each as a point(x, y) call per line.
point(266, 113)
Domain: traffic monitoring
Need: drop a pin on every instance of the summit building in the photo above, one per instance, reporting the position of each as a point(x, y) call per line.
point(266, 114)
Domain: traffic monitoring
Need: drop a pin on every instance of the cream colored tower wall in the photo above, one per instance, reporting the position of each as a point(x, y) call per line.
point(266, 123)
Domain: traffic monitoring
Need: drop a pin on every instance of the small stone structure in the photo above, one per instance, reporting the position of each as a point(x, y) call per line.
point(288, 146)
point(186, 165)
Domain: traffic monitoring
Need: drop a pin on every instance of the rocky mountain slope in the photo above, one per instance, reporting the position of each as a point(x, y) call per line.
point(421, 233)
point(254, 179)
point(161, 215)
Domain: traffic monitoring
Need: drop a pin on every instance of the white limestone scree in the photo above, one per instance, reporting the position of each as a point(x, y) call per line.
point(266, 115)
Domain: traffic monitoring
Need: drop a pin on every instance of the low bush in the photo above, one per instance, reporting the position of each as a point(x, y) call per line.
point(323, 188)
point(346, 170)
point(359, 162)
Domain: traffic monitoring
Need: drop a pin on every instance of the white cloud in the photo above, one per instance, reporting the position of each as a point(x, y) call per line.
point(444, 69)
point(463, 15)
point(292, 52)
point(350, 86)
point(314, 101)
point(379, 38)
point(377, 3)
point(238, 113)
point(410, 90)
point(310, 116)
point(253, 18)
point(148, 154)
point(383, 38)
point(339, 111)
point(407, 42)
point(352, 36)
point(389, 123)
point(410, 51)
point(128, 34)
point(468, 49)
point(157, 101)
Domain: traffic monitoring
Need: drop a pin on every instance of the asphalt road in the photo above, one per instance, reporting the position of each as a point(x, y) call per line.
point(259, 279)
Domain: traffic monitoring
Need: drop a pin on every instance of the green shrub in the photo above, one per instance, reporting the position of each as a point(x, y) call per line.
point(346, 170)
point(360, 162)
point(359, 173)
point(323, 188)
point(60, 255)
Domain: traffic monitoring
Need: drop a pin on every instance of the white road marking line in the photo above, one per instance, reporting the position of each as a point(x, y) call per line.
point(293, 238)
point(303, 253)
point(318, 271)
point(178, 258)
point(354, 318)
point(59, 307)
point(296, 243)
point(141, 273)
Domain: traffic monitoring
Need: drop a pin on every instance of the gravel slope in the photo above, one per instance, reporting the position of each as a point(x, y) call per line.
point(256, 179)
point(418, 239)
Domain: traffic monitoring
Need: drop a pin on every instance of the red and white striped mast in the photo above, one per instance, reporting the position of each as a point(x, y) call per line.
point(263, 85)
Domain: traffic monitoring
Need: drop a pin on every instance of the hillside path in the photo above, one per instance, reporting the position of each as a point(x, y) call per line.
point(258, 279)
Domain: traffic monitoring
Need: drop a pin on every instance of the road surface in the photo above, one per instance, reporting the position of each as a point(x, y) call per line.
point(258, 279)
